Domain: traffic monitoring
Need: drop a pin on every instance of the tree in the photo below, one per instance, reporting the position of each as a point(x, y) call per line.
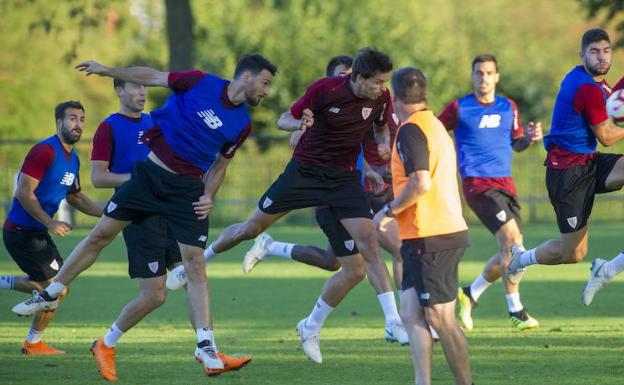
point(613, 10)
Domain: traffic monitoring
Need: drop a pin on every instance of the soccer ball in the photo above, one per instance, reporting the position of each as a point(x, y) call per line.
point(615, 107)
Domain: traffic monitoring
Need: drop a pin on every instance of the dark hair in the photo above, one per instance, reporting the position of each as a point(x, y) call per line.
point(334, 62)
point(592, 36)
point(254, 63)
point(369, 62)
point(59, 110)
point(118, 83)
point(409, 85)
point(484, 58)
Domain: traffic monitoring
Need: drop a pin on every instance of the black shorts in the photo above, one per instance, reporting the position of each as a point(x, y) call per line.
point(339, 238)
point(378, 200)
point(571, 190)
point(494, 208)
point(154, 190)
point(34, 252)
point(151, 250)
point(304, 185)
point(432, 274)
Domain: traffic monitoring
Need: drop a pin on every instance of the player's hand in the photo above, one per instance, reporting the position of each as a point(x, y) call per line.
point(203, 206)
point(307, 119)
point(375, 178)
point(381, 220)
point(59, 228)
point(535, 131)
point(91, 67)
point(384, 151)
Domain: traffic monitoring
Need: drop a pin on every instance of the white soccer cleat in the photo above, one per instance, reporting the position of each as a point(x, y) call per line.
point(257, 252)
point(310, 342)
point(208, 356)
point(395, 332)
point(596, 281)
point(176, 278)
point(514, 271)
point(36, 304)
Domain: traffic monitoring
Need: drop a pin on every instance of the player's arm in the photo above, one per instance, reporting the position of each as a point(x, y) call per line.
point(382, 138)
point(84, 204)
point(101, 176)
point(589, 102)
point(607, 132)
point(25, 194)
point(212, 179)
point(139, 75)
point(287, 122)
point(372, 175)
point(534, 134)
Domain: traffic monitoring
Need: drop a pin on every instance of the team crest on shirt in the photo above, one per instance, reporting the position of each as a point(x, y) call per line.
point(267, 202)
point(153, 266)
point(366, 111)
point(54, 265)
point(350, 244)
point(572, 221)
point(111, 207)
point(501, 216)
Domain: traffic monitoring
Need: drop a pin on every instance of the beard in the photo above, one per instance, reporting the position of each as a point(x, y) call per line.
point(68, 137)
point(595, 71)
point(252, 101)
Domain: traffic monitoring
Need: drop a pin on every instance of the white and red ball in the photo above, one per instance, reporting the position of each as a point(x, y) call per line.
point(615, 107)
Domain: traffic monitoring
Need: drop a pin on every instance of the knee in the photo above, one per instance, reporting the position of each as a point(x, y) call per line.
point(368, 243)
point(437, 320)
point(100, 238)
point(356, 274)
point(155, 298)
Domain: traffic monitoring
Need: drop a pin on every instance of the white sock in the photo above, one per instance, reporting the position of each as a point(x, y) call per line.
point(209, 253)
point(34, 336)
point(477, 288)
point(389, 307)
point(613, 267)
point(281, 249)
point(6, 282)
point(513, 302)
point(112, 336)
point(319, 313)
point(206, 334)
point(54, 289)
point(528, 258)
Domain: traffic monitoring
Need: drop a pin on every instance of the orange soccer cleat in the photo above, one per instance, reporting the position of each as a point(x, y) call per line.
point(39, 348)
point(229, 363)
point(105, 358)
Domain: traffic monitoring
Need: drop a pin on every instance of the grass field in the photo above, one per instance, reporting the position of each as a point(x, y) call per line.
point(257, 314)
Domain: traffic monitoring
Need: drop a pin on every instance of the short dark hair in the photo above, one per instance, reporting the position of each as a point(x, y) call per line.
point(484, 58)
point(409, 85)
point(118, 83)
point(369, 62)
point(334, 62)
point(59, 110)
point(254, 63)
point(592, 36)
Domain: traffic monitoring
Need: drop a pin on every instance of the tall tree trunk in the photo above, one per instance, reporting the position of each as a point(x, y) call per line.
point(180, 34)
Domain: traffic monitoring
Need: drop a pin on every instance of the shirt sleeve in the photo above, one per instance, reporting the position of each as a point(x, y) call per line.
point(517, 130)
point(413, 148)
point(450, 115)
point(183, 81)
point(103, 143)
point(589, 102)
point(229, 149)
point(38, 160)
point(308, 100)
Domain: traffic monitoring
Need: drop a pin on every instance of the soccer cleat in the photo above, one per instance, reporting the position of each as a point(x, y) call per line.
point(257, 252)
point(521, 320)
point(514, 271)
point(229, 363)
point(596, 281)
point(176, 278)
point(310, 342)
point(36, 304)
point(38, 348)
point(395, 332)
point(466, 304)
point(213, 366)
point(105, 359)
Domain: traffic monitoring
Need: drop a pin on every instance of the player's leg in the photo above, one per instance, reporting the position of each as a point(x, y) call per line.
point(421, 343)
point(389, 240)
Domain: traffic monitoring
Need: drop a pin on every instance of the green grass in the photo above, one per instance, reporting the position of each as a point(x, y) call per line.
point(257, 314)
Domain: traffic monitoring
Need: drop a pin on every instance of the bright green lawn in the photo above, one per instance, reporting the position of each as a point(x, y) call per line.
point(257, 314)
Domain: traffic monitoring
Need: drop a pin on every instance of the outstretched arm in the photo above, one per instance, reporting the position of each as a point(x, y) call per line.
point(82, 202)
point(139, 75)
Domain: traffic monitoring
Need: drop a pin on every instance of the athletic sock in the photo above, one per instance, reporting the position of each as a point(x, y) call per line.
point(281, 249)
point(53, 291)
point(319, 313)
point(205, 339)
point(613, 267)
point(513, 302)
point(34, 336)
point(477, 288)
point(112, 336)
point(528, 258)
point(6, 282)
point(389, 307)
point(209, 253)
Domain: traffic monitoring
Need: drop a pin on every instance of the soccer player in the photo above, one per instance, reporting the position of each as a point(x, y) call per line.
point(49, 174)
point(575, 171)
point(193, 139)
point(425, 187)
point(487, 128)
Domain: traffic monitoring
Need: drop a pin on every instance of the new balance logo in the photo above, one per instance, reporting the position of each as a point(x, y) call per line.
point(335, 110)
point(211, 120)
point(139, 139)
point(202, 238)
point(424, 296)
point(68, 179)
point(490, 121)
